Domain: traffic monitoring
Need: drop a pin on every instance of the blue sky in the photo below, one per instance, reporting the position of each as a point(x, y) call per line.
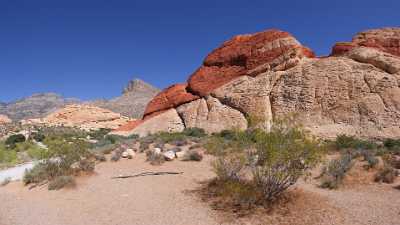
point(90, 49)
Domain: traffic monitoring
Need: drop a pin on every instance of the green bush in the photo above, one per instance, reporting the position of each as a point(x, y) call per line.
point(193, 155)
point(61, 182)
point(14, 139)
point(349, 142)
point(334, 173)
point(7, 156)
point(229, 167)
point(194, 132)
point(37, 136)
point(276, 159)
point(60, 157)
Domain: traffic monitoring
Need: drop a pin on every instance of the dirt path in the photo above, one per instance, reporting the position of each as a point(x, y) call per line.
point(98, 200)
point(163, 200)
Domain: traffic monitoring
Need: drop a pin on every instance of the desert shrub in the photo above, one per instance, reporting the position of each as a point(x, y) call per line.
point(100, 157)
point(37, 136)
point(226, 134)
point(334, 173)
point(60, 159)
point(235, 194)
point(370, 158)
point(392, 143)
point(61, 182)
point(193, 155)
point(284, 155)
point(7, 156)
point(35, 152)
point(86, 165)
point(14, 139)
point(99, 134)
point(387, 174)
point(229, 167)
point(194, 132)
point(259, 166)
point(345, 142)
point(154, 158)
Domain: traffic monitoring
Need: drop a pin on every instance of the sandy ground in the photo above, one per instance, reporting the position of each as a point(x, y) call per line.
point(168, 200)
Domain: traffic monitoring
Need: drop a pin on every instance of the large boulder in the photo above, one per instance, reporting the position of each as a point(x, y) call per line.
point(384, 39)
point(211, 115)
point(248, 54)
point(170, 97)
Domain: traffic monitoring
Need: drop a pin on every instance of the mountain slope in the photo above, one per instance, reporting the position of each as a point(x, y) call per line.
point(35, 106)
point(132, 103)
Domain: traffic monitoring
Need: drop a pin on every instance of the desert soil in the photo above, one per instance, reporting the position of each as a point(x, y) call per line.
point(170, 200)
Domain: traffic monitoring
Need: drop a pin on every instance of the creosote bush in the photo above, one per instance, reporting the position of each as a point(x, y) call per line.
point(387, 174)
point(61, 157)
point(193, 155)
point(268, 162)
point(334, 173)
point(61, 182)
point(154, 158)
point(349, 142)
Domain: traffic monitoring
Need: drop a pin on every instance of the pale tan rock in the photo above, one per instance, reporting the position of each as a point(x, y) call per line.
point(339, 95)
point(84, 117)
point(168, 121)
point(4, 119)
point(211, 115)
point(250, 95)
point(381, 60)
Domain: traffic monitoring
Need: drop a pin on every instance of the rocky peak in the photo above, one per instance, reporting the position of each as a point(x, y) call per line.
point(138, 85)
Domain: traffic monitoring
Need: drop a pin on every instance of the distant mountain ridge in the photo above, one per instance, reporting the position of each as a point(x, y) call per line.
point(37, 105)
point(131, 103)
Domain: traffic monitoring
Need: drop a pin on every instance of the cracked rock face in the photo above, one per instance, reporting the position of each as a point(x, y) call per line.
point(269, 75)
point(211, 115)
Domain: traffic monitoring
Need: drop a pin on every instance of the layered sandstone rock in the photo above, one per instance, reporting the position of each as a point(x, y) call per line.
point(247, 55)
point(84, 117)
point(212, 116)
point(385, 39)
point(170, 97)
point(269, 75)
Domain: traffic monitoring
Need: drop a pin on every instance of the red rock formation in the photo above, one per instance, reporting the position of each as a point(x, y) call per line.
point(170, 97)
point(129, 126)
point(243, 54)
point(385, 39)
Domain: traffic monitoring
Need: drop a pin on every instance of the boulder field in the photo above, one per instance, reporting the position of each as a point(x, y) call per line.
point(267, 75)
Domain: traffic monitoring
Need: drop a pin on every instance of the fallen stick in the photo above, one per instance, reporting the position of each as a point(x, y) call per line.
point(147, 174)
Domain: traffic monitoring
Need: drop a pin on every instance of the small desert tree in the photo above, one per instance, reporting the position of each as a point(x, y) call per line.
point(283, 156)
point(275, 159)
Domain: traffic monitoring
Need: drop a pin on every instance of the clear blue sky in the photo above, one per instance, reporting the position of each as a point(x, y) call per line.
point(91, 48)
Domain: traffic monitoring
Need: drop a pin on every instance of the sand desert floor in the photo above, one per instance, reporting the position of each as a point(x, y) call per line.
point(170, 200)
